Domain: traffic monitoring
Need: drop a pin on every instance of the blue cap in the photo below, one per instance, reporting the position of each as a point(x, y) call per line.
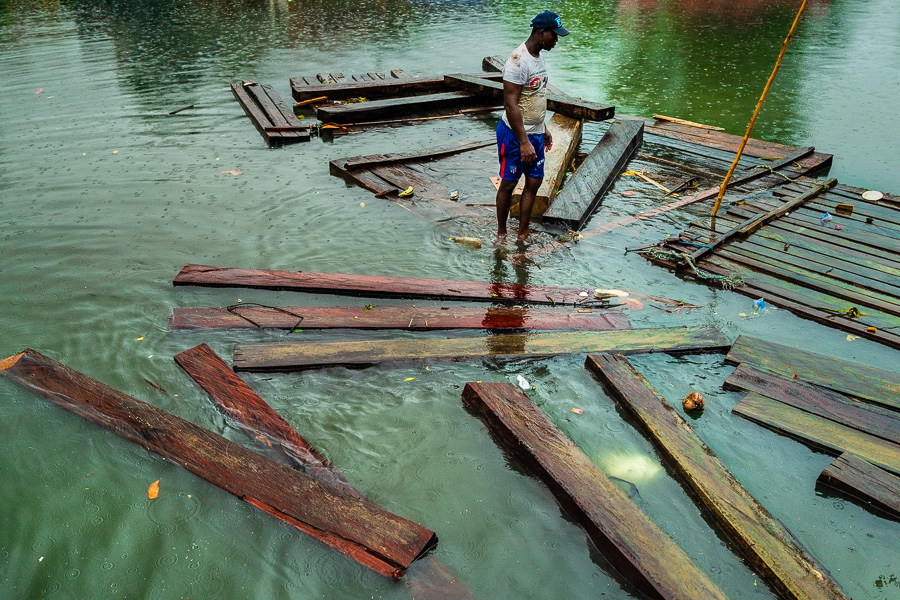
point(549, 20)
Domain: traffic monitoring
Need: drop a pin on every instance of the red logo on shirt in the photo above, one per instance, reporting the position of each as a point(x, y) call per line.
point(535, 83)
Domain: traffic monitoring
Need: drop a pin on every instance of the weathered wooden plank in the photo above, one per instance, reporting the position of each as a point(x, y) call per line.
point(769, 546)
point(868, 418)
point(259, 420)
point(413, 318)
point(854, 379)
point(394, 107)
point(757, 221)
point(363, 530)
point(585, 189)
point(567, 105)
point(373, 160)
point(566, 132)
point(855, 477)
point(255, 416)
point(376, 286)
point(376, 88)
point(631, 542)
point(267, 112)
point(361, 177)
point(816, 432)
point(292, 356)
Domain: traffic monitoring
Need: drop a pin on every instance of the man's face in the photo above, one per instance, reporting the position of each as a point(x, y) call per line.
point(550, 39)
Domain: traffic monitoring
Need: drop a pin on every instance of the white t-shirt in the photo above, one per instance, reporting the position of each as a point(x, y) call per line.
point(522, 68)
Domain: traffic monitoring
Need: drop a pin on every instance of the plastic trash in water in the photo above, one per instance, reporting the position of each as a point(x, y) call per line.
point(760, 305)
point(523, 383)
point(454, 194)
point(825, 218)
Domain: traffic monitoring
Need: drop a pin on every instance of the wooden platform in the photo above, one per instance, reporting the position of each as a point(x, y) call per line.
point(844, 273)
point(363, 530)
point(768, 545)
point(293, 356)
point(631, 542)
point(272, 118)
point(386, 108)
point(394, 84)
point(410, 318)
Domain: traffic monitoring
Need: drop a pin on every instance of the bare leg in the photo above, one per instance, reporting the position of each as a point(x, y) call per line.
point(504, 199)
point(526, 204)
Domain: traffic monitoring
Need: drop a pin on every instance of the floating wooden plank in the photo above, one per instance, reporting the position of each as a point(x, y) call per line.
point(274, 121)
point(258, 419)
point(292, 356)
point(818, 433)
point(566, 132)
point(397, 107)
point(394, 87)
point(855, 477)
point(375, 286)
point(859, 381)
point(374, 160)
point(868, 418)
point(364, 531)
point(567, 105)
point(768, 545)
point(585, 189)
point(758, 221)
point(413, 318)
point(631, 542)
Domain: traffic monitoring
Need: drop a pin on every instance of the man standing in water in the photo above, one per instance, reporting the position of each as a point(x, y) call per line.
point(521, 135)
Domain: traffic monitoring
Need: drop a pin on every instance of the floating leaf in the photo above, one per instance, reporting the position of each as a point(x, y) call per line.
point(153, 491)
point(577, 411)
point(39, 91)
point(232, 172)
point(409, 379)
point(138, 339)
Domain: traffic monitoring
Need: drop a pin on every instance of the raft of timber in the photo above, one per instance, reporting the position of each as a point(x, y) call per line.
point(631, 542)
point(292, 356)
point(272, 118)
point(832, 405)
point(769, 546)
point(373, 536)
point(843, 272)
point(411, 318)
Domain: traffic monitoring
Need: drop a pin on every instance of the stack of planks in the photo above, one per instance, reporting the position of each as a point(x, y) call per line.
point(835, 406)
point(841, 271)
point(275, 122)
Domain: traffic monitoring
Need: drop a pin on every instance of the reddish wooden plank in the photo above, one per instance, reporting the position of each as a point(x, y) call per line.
point(632, 543)
point(864, 481)
point(257, 418)
point(769, 546)
point(414, 318)
point(363, 530)
point(822, 402)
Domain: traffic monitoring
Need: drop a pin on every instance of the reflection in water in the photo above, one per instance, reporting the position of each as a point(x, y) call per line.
point(500, 279)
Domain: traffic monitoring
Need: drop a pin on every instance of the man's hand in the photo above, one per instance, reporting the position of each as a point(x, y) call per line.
point(548, 139)
point(529, 155)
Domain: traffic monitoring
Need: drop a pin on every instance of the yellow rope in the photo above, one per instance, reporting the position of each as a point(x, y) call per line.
point(758, 106)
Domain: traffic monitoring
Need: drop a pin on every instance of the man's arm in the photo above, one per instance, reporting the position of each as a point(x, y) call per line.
point(511, 94)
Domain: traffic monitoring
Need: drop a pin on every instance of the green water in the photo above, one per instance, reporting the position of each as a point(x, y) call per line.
point(105, 197)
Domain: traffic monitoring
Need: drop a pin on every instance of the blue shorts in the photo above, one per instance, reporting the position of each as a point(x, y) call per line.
point(511, 167)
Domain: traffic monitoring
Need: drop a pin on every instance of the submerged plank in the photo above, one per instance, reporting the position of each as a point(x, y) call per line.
point(245, 407)
point(369, 534)
point(413, 318)
point(393, 107)
point(560, 103)
point(769, 546)
point(290, 356)
point(821, 434)
point(301, 89)
point(868, 418)
point(585, 189)
point(631, 542)
point(566, 132)
point(855, 477)
point(375, 286)
point(860, 381)
point(257, 419)
point(376, 160)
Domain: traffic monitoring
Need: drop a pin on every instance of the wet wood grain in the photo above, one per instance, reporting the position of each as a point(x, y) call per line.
point(864, 481)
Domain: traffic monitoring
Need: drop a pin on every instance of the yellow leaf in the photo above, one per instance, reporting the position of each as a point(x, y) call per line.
point(851, 337)
point(409, 379)
point(153, 492)
point(138, 339)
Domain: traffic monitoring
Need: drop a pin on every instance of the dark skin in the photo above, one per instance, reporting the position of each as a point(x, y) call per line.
point(540, 39)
